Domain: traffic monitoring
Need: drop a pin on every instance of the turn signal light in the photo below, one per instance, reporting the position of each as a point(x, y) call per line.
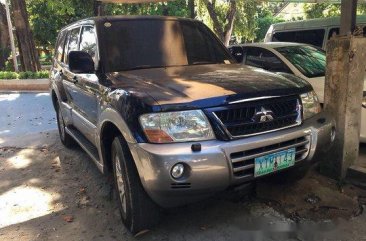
point(157, 136)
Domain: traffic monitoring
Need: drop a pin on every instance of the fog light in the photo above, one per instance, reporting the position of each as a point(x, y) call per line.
point(177, 170)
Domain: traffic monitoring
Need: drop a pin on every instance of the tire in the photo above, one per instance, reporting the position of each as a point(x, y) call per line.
point(289, 176)
point(65, 138)
point(138, 211)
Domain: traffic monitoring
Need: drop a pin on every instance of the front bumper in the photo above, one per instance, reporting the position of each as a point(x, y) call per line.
point(221, 164)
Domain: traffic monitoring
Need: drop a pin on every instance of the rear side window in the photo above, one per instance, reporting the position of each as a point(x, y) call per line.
point(73, 39)
point(88, 42)
point(59, 51)
point(262, 58)
point(333, 31)
point(313, 37)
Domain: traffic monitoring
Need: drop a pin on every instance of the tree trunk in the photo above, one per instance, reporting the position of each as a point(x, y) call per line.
point(4, 38)
point(223, 31)
point(192, 11)
point(98, 8)
point(230, 17)
point(27, 49)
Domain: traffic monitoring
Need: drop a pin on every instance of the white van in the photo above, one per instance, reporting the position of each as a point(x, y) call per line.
point(315, 31)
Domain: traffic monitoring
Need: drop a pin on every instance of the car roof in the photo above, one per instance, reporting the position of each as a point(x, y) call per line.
point(314, 23)
point(270, 45)
point(103, 19)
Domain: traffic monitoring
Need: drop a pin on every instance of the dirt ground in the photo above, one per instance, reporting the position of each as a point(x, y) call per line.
point(48, 192)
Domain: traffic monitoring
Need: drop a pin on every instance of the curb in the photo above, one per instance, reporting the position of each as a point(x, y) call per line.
point(24, 84)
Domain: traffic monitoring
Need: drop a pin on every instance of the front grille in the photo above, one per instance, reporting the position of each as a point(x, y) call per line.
point(246, 119)
point(243, 161)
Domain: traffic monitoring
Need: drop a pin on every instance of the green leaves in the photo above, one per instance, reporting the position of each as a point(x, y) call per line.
point(24, 75)
point(48, 17)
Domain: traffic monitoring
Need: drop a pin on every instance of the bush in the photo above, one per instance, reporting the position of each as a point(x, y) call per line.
point(23, 75)
point(8, 75)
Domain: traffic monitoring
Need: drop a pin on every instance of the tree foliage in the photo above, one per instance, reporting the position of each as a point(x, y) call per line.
point(247, 20)
point(48, 17)
point(321, 10)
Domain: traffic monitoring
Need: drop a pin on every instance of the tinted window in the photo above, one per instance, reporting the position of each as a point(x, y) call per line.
point(237, 52)
point(135, 44)
point(333, 31)
point(200, 45)
point(88, 41)
point(308, 60)
point(60, 45)
point(72, 41)
point(265, 59)
point(313, 37)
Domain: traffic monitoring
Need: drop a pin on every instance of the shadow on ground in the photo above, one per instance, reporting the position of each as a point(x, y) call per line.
point(48, 192)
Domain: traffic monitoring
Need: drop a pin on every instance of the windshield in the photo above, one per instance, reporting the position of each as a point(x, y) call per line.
point(310, 61)
point(152, 43)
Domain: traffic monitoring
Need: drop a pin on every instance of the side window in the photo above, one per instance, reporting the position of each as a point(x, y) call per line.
point(284, 37)
point(88, 42)
point(72, 45)
point(237, 52)
point(59, 51)
point(272, 63)
point(333, 31)
point(253, 57)
point(313, 37)
point(265, 59)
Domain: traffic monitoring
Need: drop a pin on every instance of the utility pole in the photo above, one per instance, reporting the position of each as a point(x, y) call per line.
point(344, 82)
point(11, 34)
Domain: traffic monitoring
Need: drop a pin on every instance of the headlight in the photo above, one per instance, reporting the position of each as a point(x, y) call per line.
point(310, 104)
point(178, 126)
point(364, 100)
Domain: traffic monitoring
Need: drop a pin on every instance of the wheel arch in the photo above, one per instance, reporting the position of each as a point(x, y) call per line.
point(112, 125)
point(54, 99)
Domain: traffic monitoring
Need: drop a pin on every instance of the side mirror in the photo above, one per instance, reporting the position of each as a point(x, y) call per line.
point(81, 62)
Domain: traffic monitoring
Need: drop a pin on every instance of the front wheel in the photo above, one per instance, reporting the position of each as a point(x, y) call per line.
point(66, 139)
point(138, 211)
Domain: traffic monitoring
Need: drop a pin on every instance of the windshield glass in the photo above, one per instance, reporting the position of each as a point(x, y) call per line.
point(152, 43)
point(310, 61)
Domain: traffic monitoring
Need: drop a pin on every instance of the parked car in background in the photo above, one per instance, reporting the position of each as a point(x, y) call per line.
point(302, 60)
point(174, 119)
point(314, 31)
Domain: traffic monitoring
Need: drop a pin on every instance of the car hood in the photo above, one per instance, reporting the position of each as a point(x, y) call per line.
point(206, 85)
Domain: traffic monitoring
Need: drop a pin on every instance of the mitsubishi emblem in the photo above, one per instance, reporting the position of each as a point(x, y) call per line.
point(262, 115)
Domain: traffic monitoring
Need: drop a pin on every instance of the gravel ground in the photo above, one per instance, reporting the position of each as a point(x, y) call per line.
point(48, 192)
point(23, 113)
